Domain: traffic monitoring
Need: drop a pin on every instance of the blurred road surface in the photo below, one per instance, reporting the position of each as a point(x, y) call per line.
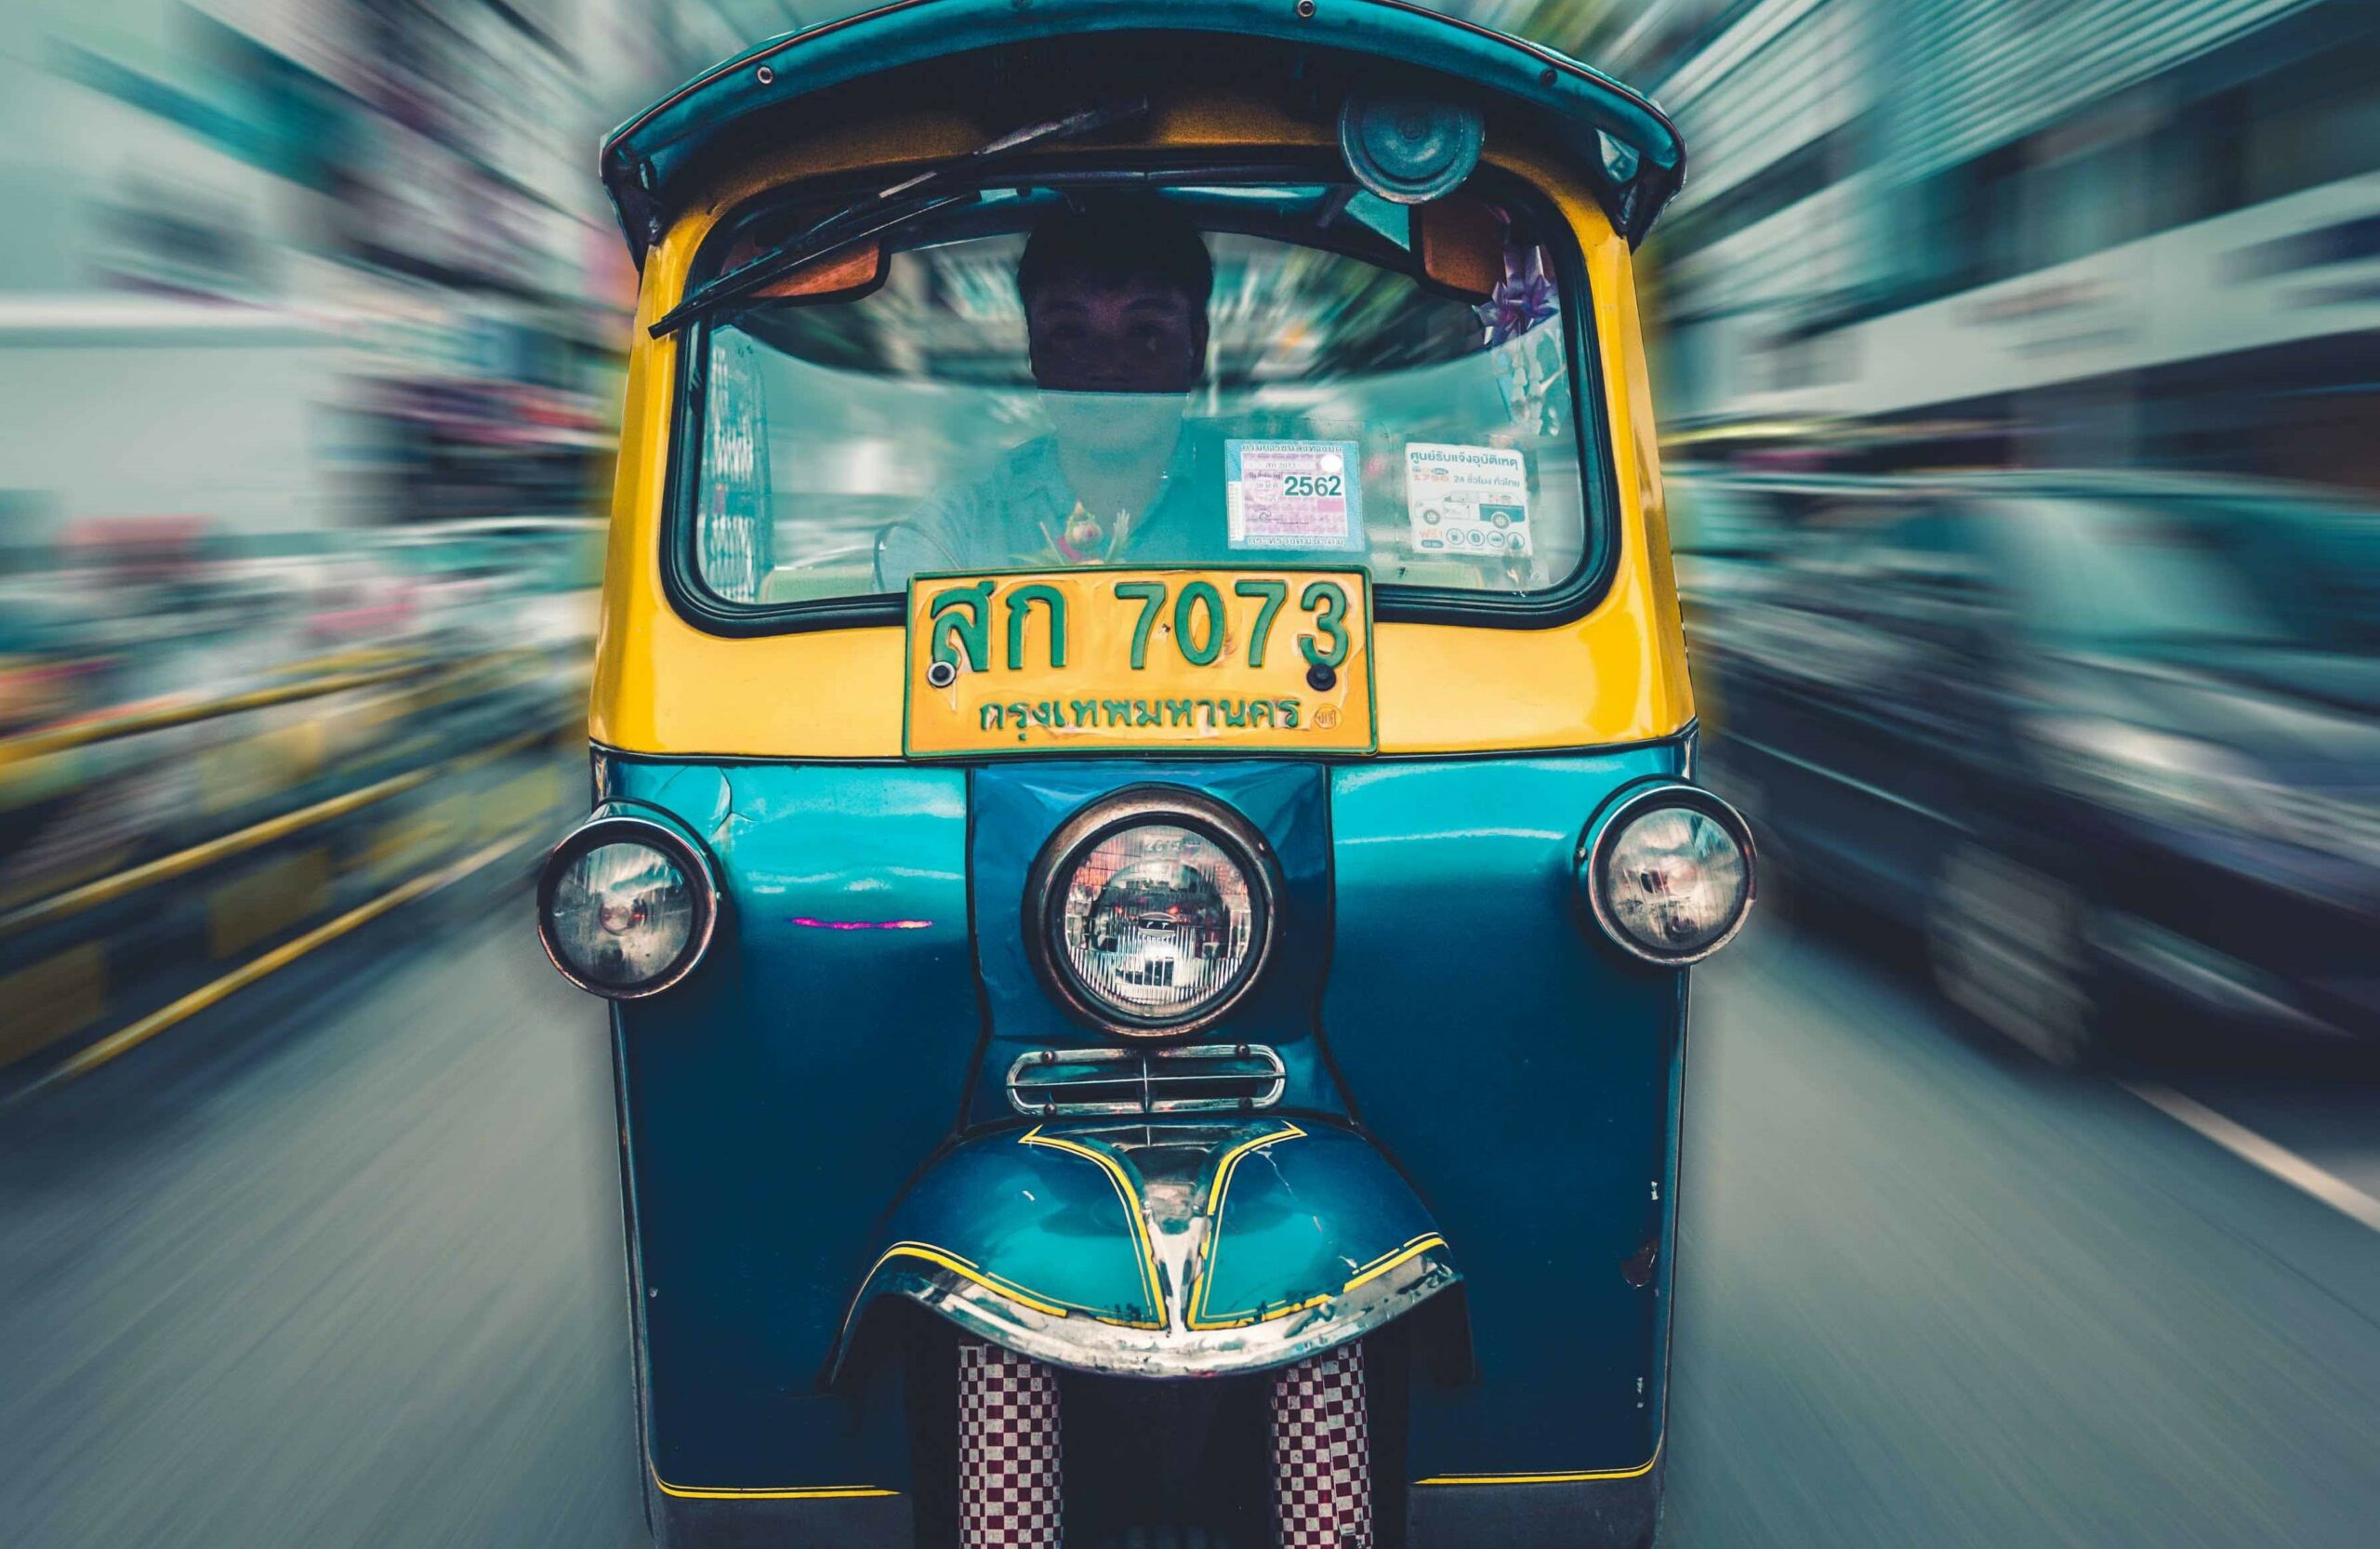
point(341, 1267)
point(1932, 1294)
point(337, 1265)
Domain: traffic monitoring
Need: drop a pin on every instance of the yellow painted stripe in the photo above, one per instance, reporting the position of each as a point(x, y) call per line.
point(1637, 1473)
point(958, 1264)
point(789, 1492)
point(106, 889)
point(1387, 1261)
point(967, 1270)
point(214, 991)
point(1130, 1198)
point(1314, 1300)
point(1196, 1316)
point(1370, 1272)
point(1222, 1184)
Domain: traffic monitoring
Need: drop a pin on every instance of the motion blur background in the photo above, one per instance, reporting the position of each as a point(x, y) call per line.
point(2017, 362)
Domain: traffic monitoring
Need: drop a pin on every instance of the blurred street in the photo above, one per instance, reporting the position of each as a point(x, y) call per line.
point(2013, 369)
point(1930, 1293)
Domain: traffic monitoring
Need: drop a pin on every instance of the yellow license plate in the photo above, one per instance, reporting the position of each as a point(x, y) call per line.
point(1092, 661)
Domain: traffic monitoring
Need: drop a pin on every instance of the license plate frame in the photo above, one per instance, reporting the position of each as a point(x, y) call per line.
point(1143, 660)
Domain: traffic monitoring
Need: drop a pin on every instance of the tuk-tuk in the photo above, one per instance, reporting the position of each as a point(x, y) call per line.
point(1145, 853)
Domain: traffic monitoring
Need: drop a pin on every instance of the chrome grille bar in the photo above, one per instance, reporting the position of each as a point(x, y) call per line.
point(1203, 1078)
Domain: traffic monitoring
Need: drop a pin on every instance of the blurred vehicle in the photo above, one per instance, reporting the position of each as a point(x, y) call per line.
point(2111, 739)
point(1003, 814)
point(1726, 531)
point(1721, 536)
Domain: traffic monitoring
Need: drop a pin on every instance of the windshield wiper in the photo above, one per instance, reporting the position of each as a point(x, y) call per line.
point(879, 212)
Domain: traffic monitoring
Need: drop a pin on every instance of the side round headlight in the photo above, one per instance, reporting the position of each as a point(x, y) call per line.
point(1669, 874)
point(1151, 912)
point(626, 906)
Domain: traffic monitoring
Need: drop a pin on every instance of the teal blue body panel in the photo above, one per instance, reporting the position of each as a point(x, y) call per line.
point(1525, 1074)
point(1469, 1061)
point(776, 1100)
point(1036, 1218)
point(648, 162)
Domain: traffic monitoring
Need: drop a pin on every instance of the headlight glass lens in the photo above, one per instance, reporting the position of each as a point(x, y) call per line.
point(1157, 923)
point(1675, 880)
point(622, 914)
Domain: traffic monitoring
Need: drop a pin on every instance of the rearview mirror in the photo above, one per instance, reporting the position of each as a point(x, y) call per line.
point(1461, 244)
point(845, 274)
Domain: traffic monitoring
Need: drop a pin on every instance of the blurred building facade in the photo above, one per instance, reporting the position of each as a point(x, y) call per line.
point(283, 264)
point(2100, 232)
point(310, 330)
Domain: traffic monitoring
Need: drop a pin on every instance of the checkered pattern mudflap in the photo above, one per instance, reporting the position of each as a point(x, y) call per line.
point(1009, 1452)
point(1322, 1454)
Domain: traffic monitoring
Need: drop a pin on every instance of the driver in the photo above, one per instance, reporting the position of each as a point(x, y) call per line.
point(1115, 294)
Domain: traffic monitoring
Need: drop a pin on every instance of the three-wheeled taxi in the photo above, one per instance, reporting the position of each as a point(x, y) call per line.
point(1144, 856)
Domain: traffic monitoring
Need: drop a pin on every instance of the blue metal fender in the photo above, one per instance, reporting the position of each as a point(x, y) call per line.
point(1159, 1249)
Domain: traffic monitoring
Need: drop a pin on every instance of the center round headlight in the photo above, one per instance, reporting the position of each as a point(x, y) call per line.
point(1155, 912)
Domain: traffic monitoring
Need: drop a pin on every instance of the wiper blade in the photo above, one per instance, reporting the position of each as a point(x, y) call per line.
point(879, 212)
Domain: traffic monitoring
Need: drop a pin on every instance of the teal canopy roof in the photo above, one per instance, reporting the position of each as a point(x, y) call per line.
point(1005, 52)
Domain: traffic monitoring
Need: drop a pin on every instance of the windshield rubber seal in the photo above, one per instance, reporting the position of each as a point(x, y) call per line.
point(1570, 600)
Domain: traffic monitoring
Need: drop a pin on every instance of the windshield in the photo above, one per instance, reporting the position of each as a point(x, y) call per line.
point(1211, 375)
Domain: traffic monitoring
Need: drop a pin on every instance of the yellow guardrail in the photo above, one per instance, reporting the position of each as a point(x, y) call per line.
point(181, 863)
point(28, 746)
point(215, 990)
point(114, 726)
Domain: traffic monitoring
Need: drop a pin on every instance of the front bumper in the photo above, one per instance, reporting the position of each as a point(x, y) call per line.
point(1182, 1250)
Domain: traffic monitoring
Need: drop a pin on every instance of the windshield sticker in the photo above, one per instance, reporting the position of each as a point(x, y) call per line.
point(1293, 495)
point(1467, 500)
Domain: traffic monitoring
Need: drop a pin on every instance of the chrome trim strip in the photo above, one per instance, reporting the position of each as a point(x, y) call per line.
point(1266, 1061)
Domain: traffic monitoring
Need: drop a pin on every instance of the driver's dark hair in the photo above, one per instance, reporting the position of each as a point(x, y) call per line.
point(1114, 240)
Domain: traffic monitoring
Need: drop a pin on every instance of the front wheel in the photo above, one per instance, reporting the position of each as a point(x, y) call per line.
point(2010, 946)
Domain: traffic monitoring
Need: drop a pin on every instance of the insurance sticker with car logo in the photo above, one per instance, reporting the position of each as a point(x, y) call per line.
point(1130, 660)
point(1467, 500)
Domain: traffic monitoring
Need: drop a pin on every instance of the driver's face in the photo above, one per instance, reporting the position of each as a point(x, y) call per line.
point(1140, 336)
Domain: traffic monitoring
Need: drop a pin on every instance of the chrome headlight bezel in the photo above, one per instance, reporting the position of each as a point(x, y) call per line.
point(1604, 834)
point(613, 826)
point(1047, 881)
